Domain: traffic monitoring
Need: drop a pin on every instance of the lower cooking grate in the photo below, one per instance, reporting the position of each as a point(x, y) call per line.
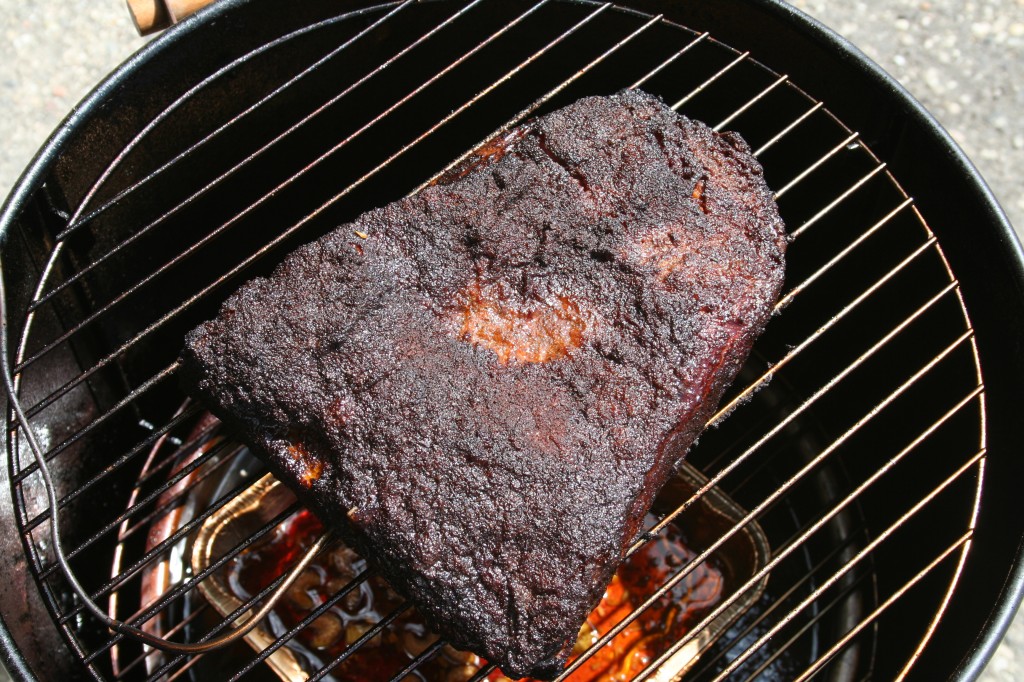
point(854, 438)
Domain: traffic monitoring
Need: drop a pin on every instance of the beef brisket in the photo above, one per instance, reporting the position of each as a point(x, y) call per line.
point(483, 386)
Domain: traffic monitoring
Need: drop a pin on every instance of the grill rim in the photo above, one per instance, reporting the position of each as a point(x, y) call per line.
point(955, 163)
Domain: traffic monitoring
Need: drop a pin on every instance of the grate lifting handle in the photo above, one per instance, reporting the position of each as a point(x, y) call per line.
point(58, 549)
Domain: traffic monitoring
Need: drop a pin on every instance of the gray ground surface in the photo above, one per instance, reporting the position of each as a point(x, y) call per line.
point(963, 60)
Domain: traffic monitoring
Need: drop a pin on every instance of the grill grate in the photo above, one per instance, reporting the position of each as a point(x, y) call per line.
point(872, 364)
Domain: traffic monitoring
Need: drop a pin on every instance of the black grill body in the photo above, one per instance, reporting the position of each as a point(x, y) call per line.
point(975, 237)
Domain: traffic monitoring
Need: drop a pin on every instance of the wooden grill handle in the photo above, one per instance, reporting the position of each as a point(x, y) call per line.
point(155, 15)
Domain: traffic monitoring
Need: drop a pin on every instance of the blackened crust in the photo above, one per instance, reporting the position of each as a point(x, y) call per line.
point(485, 393)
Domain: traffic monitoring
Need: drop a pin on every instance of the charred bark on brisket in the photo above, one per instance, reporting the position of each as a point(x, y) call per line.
point(484, 385)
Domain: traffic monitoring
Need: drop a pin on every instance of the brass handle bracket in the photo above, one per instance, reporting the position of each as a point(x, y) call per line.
point(151, 16)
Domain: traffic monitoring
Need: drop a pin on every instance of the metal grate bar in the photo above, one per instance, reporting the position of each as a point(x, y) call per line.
point(761, 419)
point(867, 417)
point(222, 625)
point(46, 571)
point(259, 152)
point(101, 419)
point(751, 102)
point(972, 524)
point(124, 459)
point(63, 390)
point(198, 441)
point(754, 513)
point(167, 506)
point(820, 457)
point(178, 673)
point(671, 582)
point(147, 443)
point(133, 509)
point(832, 321)
point(510, 74)
point(709, 82)
point(517, 118)
point(866, 552)
point(75, 222)
point(102, 309)
point(703, 86)
point(795, 291)
point(835, 202)
point(795, 234)
point(354, 647)
point(53, 603)
point(129, 572)
point(266, 652)
point(227, 620)
point(285, 234)
point(169, 596)
point(107, 359)
point(483, 673)
point(779, 601)
point(857, 629)
point(814, 166)
point(964, 541)
point(665, 64)
point(216, 629)
point(789, 128)
point(148, 652)
point(846, 501)
point(538, 103)
point(428, 653)
point(822, 612)
point(800, 409)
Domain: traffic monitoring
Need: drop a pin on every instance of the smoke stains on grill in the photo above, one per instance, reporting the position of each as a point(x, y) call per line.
point(406, 637)
point(537, 332)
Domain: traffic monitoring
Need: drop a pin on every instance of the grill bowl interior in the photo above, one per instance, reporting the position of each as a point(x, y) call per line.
point(873, 353)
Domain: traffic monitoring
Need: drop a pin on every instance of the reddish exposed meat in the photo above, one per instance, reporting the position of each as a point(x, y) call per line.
point(485, 393)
